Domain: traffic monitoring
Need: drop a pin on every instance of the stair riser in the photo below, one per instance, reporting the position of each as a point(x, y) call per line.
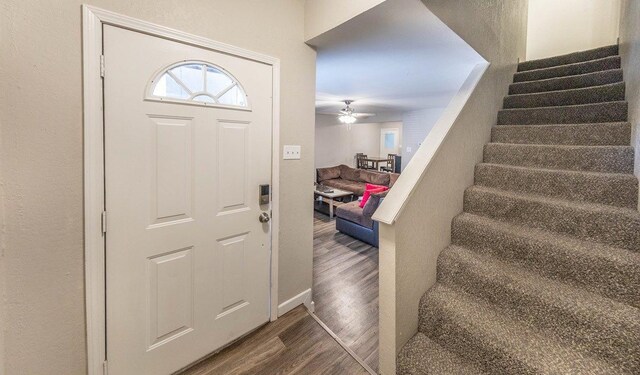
point(612, 228)
point(569, 70)
point(612, 189)
point(567, 83)
point(616, 134)
point(590, 113)
point(480, 333)
point(594, 159)
point(573, 323)
point(600, 94)
point(441, 361)
point(569, 58)
point(436, 323)
point(616, 278)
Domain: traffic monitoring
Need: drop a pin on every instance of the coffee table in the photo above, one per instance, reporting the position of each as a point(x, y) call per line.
point(330, 197)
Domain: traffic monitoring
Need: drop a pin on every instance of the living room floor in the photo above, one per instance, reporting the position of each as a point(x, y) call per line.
point(345, 288)
point(295, 344)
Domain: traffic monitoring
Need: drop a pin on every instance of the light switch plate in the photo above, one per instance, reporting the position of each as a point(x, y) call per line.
point(291, 152)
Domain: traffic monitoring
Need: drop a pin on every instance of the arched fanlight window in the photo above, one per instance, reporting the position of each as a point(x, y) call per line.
point(198, 83)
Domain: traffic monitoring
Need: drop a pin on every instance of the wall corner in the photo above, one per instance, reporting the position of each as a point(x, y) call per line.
point(388, 347)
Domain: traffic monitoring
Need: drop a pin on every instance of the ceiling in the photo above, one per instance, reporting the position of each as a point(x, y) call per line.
point(395, 57)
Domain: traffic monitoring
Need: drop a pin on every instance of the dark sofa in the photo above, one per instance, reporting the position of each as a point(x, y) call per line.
point(357, 222)
point(350, 179)
point(350, 218)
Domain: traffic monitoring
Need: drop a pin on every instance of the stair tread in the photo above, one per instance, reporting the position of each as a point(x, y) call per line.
point(570, 299)
point(587, 134)
point(596, 158)
point(576, 90)
point(625, 176)
point(600, 147)
point(616, 226)
point(549, 126)
point(498, 340)
point(575, 81)
point(616, 189)
point(586, 249)
point(598, 267)
point(585, 55)
point(613, 111)
point(421, 356)
point(587, 206)
point(574, 96)
point(577, 106)
point(577, 68)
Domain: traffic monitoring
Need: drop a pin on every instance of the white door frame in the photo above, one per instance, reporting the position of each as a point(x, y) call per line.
point(94, 195)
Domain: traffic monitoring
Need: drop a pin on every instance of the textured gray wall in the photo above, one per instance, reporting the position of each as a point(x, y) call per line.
point(417, 125)
point(630, 51)
point(497, 30)
point(41, 156)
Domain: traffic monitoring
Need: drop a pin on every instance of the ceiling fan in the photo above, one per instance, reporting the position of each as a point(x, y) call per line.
point(348, 116)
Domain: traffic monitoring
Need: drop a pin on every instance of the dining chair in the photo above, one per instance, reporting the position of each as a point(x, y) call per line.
point(391, 164)
point(360, 163)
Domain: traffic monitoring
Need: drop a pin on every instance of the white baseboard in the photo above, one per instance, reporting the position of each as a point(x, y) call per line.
point(303, 298)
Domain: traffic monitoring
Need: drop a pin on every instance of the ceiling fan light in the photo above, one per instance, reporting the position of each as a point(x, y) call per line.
point(347, 119)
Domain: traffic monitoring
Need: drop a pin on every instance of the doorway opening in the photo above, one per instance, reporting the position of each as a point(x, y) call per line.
point(381, 85)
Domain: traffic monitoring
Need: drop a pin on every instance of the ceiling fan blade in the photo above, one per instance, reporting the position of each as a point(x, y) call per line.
point(364, 114)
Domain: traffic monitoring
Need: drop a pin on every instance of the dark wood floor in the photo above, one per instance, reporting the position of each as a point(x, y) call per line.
point(345, 288)
point(293, 344)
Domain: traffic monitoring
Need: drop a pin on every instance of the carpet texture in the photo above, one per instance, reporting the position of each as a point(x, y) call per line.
point(543, 272)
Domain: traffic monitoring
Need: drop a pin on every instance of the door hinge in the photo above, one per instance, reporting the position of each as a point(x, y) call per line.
point(102, 66)
point(104, 222)
point(105, 369)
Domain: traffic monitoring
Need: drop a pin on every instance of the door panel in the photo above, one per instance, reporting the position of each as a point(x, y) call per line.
point(170, 296)
point(187, 259)
point(172, 165)
point(233, 166)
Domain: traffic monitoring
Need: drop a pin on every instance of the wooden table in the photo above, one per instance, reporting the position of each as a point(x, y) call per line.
point(336, 193)
point(375, 160)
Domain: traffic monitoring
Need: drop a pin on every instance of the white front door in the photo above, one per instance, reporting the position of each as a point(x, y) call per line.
point(187, 260)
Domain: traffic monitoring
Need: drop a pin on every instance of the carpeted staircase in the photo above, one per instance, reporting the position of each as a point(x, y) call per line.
point(543, 273)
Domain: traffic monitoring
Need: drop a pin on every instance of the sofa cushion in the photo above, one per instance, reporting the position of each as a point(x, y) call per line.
point(373, 203)
point(356, 188)
point(349, 173)
point(378, 178)
point(328, 173)
point(352, 212)
point(368, 192)
point(393, 177)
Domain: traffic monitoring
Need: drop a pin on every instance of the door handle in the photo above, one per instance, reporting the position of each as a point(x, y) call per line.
point(264, 217)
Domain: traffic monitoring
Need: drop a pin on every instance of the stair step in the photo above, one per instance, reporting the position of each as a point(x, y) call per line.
point(571, 58)
point(605, 63)
point(595, 323)
point(602, 134)
point(412, 359)
point(610, 271)
point(571, 114)
point(614, 226)
point(614, 189)
point(607, 159)
point(595, 94)
point(566, 83)
point(475, 330)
